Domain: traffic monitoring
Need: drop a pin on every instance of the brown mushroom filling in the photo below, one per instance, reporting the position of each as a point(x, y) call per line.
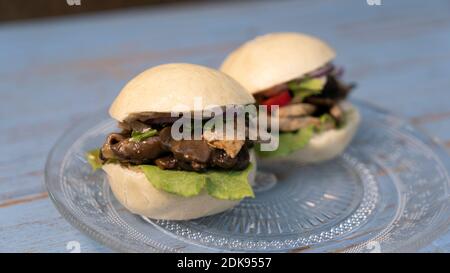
point(296, 115)
point(167, 153)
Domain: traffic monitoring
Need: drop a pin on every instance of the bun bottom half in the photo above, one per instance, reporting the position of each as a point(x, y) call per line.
point(133, 190)
point(329, 144)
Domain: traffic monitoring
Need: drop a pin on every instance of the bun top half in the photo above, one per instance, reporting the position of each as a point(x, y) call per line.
point(161, 88)
point(276, 58)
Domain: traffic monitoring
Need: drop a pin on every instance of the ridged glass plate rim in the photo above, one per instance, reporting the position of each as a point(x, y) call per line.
point(116, 244)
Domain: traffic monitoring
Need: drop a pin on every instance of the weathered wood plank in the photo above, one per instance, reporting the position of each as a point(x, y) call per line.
point(73, 75)
point(55, 72)
point(38, 227)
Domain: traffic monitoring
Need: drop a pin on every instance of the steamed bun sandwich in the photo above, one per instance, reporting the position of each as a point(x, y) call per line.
point(295, 72)
point(153, 174)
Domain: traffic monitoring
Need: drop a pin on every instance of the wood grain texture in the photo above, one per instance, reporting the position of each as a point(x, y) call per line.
point(38, 227)
point(55, 72)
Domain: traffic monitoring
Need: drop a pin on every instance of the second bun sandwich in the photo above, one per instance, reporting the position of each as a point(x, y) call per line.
point(295, 72)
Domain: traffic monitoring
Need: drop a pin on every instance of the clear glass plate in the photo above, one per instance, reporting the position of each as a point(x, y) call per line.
point(388, 192)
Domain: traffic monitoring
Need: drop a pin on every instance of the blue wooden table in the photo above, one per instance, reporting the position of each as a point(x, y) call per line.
point(55, 72)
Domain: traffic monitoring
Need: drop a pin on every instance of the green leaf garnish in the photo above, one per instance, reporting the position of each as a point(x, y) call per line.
point(140, 136)
point(290, 142)
point(325, 120)
point(93, 158)
point(307, 87)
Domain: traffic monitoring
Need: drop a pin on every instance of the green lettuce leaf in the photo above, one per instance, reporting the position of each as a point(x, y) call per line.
point(307, 87)
point(93, 158)
point(326, 118)
point(290, 142)
point(326, 122)
point(178, 182)
point(227, 185)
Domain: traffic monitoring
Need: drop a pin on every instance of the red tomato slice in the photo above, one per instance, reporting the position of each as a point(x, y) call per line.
point(281, 99)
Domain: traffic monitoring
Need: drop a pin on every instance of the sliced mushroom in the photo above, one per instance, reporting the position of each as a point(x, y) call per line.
point(289, 124)
point(296, 110)
point(118, 146)
point(185, 150)
point(107, 148)
point(221, 159)
point(167, 163)
point(190, 150)
point(133, 125)
point(337, 113)
point(138, 151)
point(231, 147)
